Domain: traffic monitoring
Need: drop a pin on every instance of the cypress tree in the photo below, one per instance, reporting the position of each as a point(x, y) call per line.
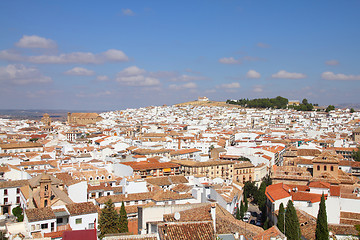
point(238, 213)
point(108, 220)
point(280, 218)
point(123, 219)
point(292, 224)
point(322, 231)
point(246, 204)
point(242, 210)
point(261, 198)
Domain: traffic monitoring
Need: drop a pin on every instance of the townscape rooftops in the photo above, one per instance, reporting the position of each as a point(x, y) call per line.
point(39, 214)
point(81, 208)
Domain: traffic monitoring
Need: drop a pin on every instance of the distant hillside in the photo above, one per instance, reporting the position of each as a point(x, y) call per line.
point(208, 103)
point(56, 115)
point(355, 106)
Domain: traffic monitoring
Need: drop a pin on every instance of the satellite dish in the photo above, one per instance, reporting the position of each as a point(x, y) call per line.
point(177, 216)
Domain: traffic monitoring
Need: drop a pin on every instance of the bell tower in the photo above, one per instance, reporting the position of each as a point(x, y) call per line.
point(45, 191)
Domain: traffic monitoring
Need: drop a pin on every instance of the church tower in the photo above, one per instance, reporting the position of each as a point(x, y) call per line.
point(45, 192)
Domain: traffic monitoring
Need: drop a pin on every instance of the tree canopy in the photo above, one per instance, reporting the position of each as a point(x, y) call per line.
point(278, 102)
point(109, 221)
point(322, 231)
point(123, 219)
point(18, 213)
point(281, 218)
point(292, 225)
point(356, 155)
point(330, 108)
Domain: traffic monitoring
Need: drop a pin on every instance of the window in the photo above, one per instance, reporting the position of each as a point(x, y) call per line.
point(91, 225)
point(324, 168)
point(5, 200)
point(18, 190)
point(17, 200)
point(52, 226)
point(332, 168)
point(32, 227)
point(78, 221)
point(5, 192)
point(318, 167)
point(44, 226)
point(59, 220)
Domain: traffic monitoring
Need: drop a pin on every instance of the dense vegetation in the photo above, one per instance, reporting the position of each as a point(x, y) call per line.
point(356, 155)
point(110, 221)
point(258, 195)
point(276, 103)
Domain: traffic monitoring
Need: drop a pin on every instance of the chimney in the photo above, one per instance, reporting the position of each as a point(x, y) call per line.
point(213, 215)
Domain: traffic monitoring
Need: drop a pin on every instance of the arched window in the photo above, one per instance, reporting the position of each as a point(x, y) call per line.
point(332, 168)
point(324, 168)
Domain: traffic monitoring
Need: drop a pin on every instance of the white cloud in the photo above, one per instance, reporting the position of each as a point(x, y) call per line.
point(35, 42)
point(339, 76)
point(79, 71)
point(258, 88)
point(127, 12)
point(111, 55)
point(134, 76)
point(230, 85)
point(253, 74)
point(189, 85)
point(102, 78)
point(19, 74)
point(115, 55)
point(11, 56)
point(230, 60)
point(187, 78)
point(263, 45)
point(332, 62)
point(288, 75)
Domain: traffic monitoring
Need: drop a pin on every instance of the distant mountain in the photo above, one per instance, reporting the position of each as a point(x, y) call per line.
point(58, 115)
point(355, 106)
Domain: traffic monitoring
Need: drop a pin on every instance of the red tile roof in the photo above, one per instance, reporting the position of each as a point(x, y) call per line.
point(277, 191)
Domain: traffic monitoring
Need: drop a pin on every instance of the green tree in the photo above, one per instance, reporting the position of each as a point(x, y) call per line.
point(292, 230)
point(237, 216)
point(242, 210)
point(330, 108)
point(108, 220)
point(18, 213)
point(261, 198)
point(352, 110)
point(246, 203)
point(280, 218)
point(356, 155)
point(33, 139)
point(322, 231)
point(123, 219)
point(250, 188)
point(266, 224)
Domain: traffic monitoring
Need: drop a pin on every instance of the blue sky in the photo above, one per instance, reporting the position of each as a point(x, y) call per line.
point(108, 55)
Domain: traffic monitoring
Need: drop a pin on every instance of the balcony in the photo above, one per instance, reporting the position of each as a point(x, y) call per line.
point(65, 227)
